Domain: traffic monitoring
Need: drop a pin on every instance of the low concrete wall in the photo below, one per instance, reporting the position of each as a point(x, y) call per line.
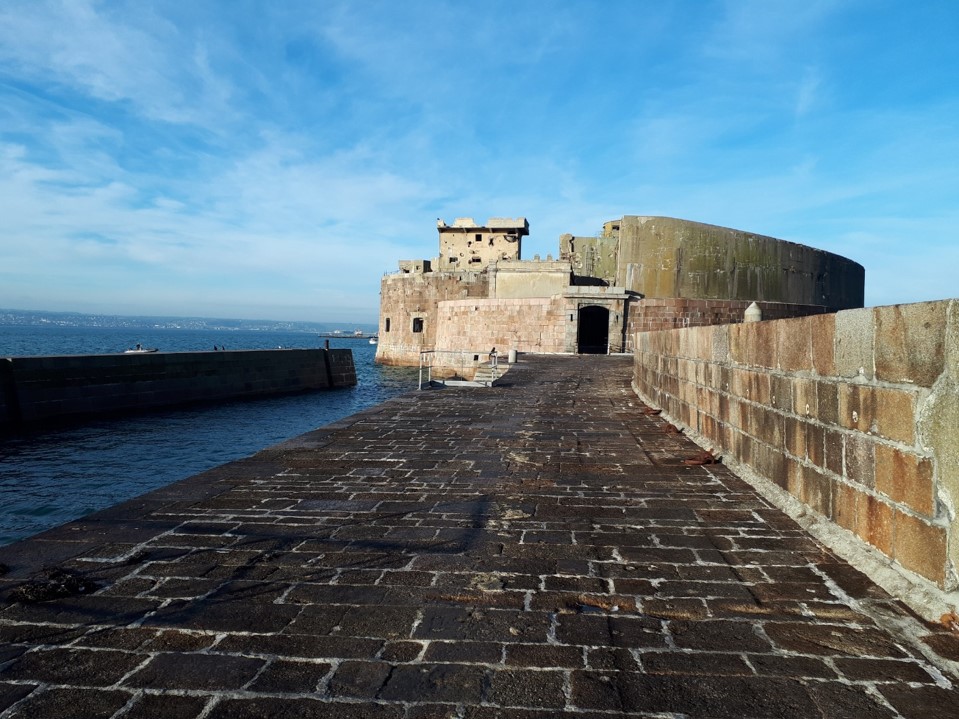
point(41, 390)
point(855, 415)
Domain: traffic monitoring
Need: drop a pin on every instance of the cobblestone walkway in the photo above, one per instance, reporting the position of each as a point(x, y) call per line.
point(538, 549)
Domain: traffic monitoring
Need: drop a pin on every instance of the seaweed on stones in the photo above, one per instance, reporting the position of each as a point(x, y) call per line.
point(56, 584)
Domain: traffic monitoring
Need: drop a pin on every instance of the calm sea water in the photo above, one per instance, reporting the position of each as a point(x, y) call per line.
point(52, 477)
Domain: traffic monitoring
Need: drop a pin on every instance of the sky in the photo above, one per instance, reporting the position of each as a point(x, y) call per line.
point(272, 160)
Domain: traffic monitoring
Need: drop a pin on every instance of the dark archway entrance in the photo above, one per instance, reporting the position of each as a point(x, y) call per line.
point(593, 330)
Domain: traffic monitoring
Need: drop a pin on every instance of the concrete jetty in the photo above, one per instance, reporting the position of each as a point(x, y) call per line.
point(544, 548)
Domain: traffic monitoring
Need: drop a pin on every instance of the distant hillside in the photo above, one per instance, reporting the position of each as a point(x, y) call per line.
point(36, 318)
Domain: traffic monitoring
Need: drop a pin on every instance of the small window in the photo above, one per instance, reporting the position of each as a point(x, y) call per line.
point(475, 260)
point(479, 238)
point(417, 324)
point(386, 328)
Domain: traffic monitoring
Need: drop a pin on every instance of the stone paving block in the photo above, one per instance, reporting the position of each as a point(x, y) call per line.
point(195, 671)
point(300, 708)
point(69, 703)
point(833, 640)
point(285, 676)
point(71, 666)
point(928, 702)
point(11, 693)
point(164, 706)
point(435, 682)
point(527, 688)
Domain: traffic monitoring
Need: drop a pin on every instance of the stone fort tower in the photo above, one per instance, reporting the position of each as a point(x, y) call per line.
point(641, 273)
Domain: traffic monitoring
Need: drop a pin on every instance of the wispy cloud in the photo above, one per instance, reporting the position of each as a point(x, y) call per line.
point(276, 159)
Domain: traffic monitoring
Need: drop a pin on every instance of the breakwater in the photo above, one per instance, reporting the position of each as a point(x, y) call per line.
point(536, 549)
point(44, 390)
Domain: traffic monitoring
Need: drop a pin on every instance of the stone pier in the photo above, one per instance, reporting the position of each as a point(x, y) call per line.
point(546, 548)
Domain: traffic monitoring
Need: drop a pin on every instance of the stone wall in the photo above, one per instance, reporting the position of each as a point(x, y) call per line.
point(855, 415)
point(515, 280)
point(665, 313)
point(405, 298)
point(42, 390)
point(526, 325)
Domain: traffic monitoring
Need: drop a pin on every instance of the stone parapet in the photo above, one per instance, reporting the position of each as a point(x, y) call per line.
point(408, 315)
point(526, 325)
point(855, 415)
point(42, 390)
point(665, 313)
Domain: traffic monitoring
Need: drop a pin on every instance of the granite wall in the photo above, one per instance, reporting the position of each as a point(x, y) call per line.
point(666, 313)
point(855, 415)
point(526, 325)
point(408, 310)
point(43, 390)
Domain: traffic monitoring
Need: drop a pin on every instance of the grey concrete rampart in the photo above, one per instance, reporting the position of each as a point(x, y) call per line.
point(41, 390)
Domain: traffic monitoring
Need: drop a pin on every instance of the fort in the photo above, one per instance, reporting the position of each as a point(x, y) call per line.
point(639, 274)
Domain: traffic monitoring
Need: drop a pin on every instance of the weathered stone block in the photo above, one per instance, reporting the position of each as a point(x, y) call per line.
point(854, 339)
point(906, 478)
point(920, 547)
point(879, 410)
point(763, 341)
point(894, 414)
point(815, 439)
point(910, 342)
point(939, 418)
point(822, 332)
point(860, 459)
point(720, 343)
point(816, 491)
point(738, 344)
point(793, 346)
point(804, 397)
point(794, 474)
point(827, 401)
point(845, 499)
point(759, 387)
point(874, 523)
point(794, 436)
point(780, 389)
point(771, 463)
point(833, 446)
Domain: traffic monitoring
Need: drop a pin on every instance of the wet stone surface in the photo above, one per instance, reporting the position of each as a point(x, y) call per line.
point(537, 549)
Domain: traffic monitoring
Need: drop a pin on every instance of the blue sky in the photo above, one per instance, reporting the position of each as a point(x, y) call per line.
point(273, 159)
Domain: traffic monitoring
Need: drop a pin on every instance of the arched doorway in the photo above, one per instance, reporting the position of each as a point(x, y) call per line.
point(593, 335)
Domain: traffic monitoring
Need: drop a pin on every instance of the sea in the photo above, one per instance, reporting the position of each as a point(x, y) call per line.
point(54, 476)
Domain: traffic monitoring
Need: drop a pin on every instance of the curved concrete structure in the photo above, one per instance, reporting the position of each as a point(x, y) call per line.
point(667, 257)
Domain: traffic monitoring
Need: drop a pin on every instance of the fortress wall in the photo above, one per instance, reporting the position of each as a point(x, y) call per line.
point(667, 257)
point(525, 324)
point(406, 297)
point(53, 389)
point(663, 313)
point(853, 418)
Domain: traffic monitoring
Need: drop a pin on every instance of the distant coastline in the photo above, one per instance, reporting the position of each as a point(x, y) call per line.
point(42, 318)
